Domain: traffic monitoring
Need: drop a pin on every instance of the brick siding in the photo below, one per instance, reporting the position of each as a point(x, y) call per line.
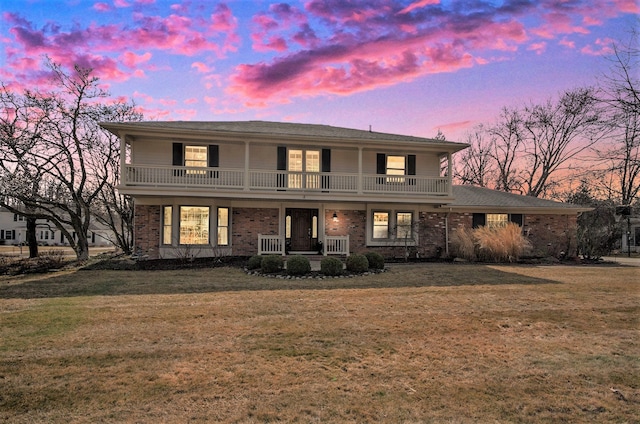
point(146, 224)
point(247, 224)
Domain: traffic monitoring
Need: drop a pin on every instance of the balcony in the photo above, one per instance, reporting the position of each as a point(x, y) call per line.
point(283, 183)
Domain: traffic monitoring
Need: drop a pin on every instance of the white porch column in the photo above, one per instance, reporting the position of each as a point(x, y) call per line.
point(123, 159)
point(359, 170)
point(246, 166)
point(450, 172)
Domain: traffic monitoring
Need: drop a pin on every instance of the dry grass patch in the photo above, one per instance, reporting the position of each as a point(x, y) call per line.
point(420, 343)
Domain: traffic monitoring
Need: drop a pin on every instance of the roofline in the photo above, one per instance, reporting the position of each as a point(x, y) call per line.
point(125, 129)
point(515, 209)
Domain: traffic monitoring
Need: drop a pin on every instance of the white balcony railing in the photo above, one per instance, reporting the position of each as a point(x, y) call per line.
point(265, 180)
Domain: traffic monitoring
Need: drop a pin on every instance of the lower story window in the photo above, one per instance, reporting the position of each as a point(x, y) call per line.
point(380, 225)
point(404, 224)
point(194, 225)
point(223, 226)
point(497, 220)
point(167, 219)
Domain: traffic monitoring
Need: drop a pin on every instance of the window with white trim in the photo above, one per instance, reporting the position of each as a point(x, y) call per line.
point(167, 224)
point(380, 225)
point(497, 220)
point(223, 226)
point(195, 157)
point(404, 225)
point(194, 225)
point(396, 165)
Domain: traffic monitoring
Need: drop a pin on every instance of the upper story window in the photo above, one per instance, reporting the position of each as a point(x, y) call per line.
point(396, 165)
point(195, 156)
point(303, 161)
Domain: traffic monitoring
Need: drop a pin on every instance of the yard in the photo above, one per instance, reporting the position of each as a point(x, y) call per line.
point(420, 343)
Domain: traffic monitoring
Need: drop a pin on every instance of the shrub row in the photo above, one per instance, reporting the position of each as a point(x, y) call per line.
point(300, 265)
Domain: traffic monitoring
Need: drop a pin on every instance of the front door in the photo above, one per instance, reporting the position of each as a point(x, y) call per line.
point(302, 229)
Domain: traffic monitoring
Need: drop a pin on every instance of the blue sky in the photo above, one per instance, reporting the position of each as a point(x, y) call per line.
point(407, 67)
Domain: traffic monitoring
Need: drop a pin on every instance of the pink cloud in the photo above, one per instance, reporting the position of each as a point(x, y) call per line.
point(121, 3)
point(454, 127)
point(108, 48)
point(167, 102)
point(567, 43)
point(102, 7)
point(200, 67)
point(418, 5)
point(190, 101)
point(601, 47)
point(371, 43)
point(133, 60)
point(539, 48)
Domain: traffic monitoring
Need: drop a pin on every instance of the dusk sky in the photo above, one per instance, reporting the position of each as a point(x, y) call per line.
point(405, 67)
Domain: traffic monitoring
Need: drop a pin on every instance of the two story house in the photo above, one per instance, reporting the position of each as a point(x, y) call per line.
point(254, 187)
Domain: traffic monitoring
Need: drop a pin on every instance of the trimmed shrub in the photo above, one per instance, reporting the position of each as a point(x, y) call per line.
point(331, 266)
point(376, 261)
point(298, 265)
point(357, 263)
point(271, 264)
point(254, 262)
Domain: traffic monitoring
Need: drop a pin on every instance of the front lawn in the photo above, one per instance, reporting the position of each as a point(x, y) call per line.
point(419, 343)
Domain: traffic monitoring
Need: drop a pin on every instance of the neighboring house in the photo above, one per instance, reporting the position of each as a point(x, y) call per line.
point(246, 188)
point(630, 233)
point(13, 231)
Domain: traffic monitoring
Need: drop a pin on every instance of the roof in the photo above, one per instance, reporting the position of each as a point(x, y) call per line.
point(268, 128)
point(467, 196)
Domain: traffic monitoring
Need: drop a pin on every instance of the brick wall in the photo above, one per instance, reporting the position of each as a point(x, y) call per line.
point(146, 224)
point(247, 224)
point(349, 222)
point(552, 235)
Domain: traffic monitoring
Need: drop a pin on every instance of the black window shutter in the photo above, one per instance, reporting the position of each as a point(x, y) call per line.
point(479, 220)
point(411, 168)
point(15, 216)
point(214, 156)
point(282, 158)
point(381, 165)
point(326, 167)
point(282, 165)
point(411, 165)
point(326, 160)
point(1, 234)
point(516, 218)
point(178, 158)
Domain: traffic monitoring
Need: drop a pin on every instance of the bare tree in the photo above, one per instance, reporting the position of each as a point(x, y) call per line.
point(506, 148)
point(55, 158)
point(528, 146)
point(476, 165)
point(621, 96)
